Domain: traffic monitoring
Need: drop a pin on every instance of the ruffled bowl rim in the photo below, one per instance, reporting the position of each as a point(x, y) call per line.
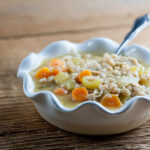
point(25, 77)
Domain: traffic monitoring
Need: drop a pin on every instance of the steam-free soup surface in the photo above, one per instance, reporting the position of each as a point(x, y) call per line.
point(108, 79)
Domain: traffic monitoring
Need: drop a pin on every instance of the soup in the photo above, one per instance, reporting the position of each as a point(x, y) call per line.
point(108, 79)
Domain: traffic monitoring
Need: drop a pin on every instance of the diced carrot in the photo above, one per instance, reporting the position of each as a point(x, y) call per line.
point(83, 74)
point(79, 94)
point(54, 72)
point(43, 73)
point(57, 64)
point(60, 91)
point(111, 101)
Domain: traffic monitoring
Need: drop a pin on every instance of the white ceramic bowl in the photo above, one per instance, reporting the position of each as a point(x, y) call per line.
point(89, 117)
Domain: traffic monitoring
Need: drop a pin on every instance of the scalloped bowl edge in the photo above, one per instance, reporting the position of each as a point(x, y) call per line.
point(50, 101)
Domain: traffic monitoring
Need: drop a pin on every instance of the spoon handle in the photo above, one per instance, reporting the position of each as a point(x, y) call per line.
point(139, 24)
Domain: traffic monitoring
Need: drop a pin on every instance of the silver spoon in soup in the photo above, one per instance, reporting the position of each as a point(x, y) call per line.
point(139, 24)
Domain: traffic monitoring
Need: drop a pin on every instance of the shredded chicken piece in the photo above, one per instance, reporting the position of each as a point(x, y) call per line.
point(72, 67)
point(108, 59)
point(137, 90)
point(95, 94)
point(42, 80)
point(116, 72)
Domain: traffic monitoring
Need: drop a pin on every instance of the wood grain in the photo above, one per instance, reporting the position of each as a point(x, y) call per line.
point(21, 18)
point(27, 27)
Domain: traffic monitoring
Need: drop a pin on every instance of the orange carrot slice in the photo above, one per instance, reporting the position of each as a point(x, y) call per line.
point(43, 73)
point(83, 74)
point(54, 72)
point(111, 101)
point(57, 64)
point(79, 94)
point(60, 91)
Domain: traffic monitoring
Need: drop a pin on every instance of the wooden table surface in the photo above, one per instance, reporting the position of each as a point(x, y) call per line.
point(27, 26)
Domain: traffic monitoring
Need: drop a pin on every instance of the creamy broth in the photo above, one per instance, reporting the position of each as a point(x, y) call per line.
point(65, 100)
point(76, 77)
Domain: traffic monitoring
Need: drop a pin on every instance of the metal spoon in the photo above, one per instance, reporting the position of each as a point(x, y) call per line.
point(139, 24)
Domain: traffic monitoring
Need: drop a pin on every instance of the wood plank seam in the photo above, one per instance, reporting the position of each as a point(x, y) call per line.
point(64, 32)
